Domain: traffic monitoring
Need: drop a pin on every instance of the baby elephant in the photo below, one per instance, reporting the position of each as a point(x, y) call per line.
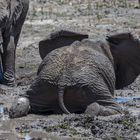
point(82, 76)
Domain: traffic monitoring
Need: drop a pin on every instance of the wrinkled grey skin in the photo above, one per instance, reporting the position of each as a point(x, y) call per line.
point(82, 77)
point(12, 17)
point(78, 74)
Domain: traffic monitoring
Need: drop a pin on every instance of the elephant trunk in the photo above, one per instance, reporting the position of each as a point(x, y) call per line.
point(61, 100)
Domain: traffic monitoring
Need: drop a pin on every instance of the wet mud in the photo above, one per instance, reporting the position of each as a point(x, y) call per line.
point(102, 22)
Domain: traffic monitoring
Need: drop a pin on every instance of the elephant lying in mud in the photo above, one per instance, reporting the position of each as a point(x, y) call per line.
point(81, 77)
point(12, 17)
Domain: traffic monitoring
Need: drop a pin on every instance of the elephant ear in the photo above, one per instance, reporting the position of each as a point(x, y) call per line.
point(118, 38)
point(125, 50)
point(59, 39)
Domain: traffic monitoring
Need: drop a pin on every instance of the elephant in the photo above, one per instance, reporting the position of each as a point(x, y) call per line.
point(12, 17)
point(81, 77)
point(61, 38)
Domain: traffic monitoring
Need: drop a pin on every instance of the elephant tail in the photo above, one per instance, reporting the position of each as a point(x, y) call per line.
point(61, 100)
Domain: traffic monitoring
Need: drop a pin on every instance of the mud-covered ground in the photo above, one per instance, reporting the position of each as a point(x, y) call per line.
point(98, 18)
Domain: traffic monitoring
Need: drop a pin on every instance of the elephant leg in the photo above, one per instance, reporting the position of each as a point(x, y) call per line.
point(20, 21)
point(43, 97)
point(8, 58)
point(109, 107)
point(102, 103)
point(96, 108)
point(11, 37)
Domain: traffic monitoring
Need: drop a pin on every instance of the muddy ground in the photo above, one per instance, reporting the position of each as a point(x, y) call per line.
point(97, 17)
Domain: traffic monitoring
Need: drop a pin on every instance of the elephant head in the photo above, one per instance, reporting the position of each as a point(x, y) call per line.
point(126, 53)
point(59, 39)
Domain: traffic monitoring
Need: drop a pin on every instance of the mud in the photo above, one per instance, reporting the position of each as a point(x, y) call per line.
point(98, 19)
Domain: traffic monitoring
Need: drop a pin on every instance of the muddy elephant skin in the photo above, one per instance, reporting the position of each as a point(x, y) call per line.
point(82, 77)
point(79, 74)
point(12, 17)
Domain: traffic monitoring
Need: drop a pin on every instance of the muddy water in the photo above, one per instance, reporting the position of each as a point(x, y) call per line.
point(4, 113)
point(9, 128)
point(62, 126)
point(126, 99)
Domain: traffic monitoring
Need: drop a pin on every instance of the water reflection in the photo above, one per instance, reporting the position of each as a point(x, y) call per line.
point(126, 99)
point(27, 136)
point(24, 136)
point(4, 113)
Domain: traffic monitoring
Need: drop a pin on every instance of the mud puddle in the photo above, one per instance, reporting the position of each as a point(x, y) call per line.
point(25, 136)
point(4, 115)
point(120, 99)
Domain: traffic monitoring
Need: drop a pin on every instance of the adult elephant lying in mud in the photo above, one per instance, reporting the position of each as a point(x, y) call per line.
point(82, 77)
point(12, 17)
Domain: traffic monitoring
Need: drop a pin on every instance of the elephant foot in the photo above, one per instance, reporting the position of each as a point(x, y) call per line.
point(93, 109)
point(109, 110)
point(8, 80)
point(19, 108)
point(8, 83)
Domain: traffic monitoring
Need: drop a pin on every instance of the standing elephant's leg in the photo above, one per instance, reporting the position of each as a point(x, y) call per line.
point(8, 59)
point(11, 37)
point(20, 21)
